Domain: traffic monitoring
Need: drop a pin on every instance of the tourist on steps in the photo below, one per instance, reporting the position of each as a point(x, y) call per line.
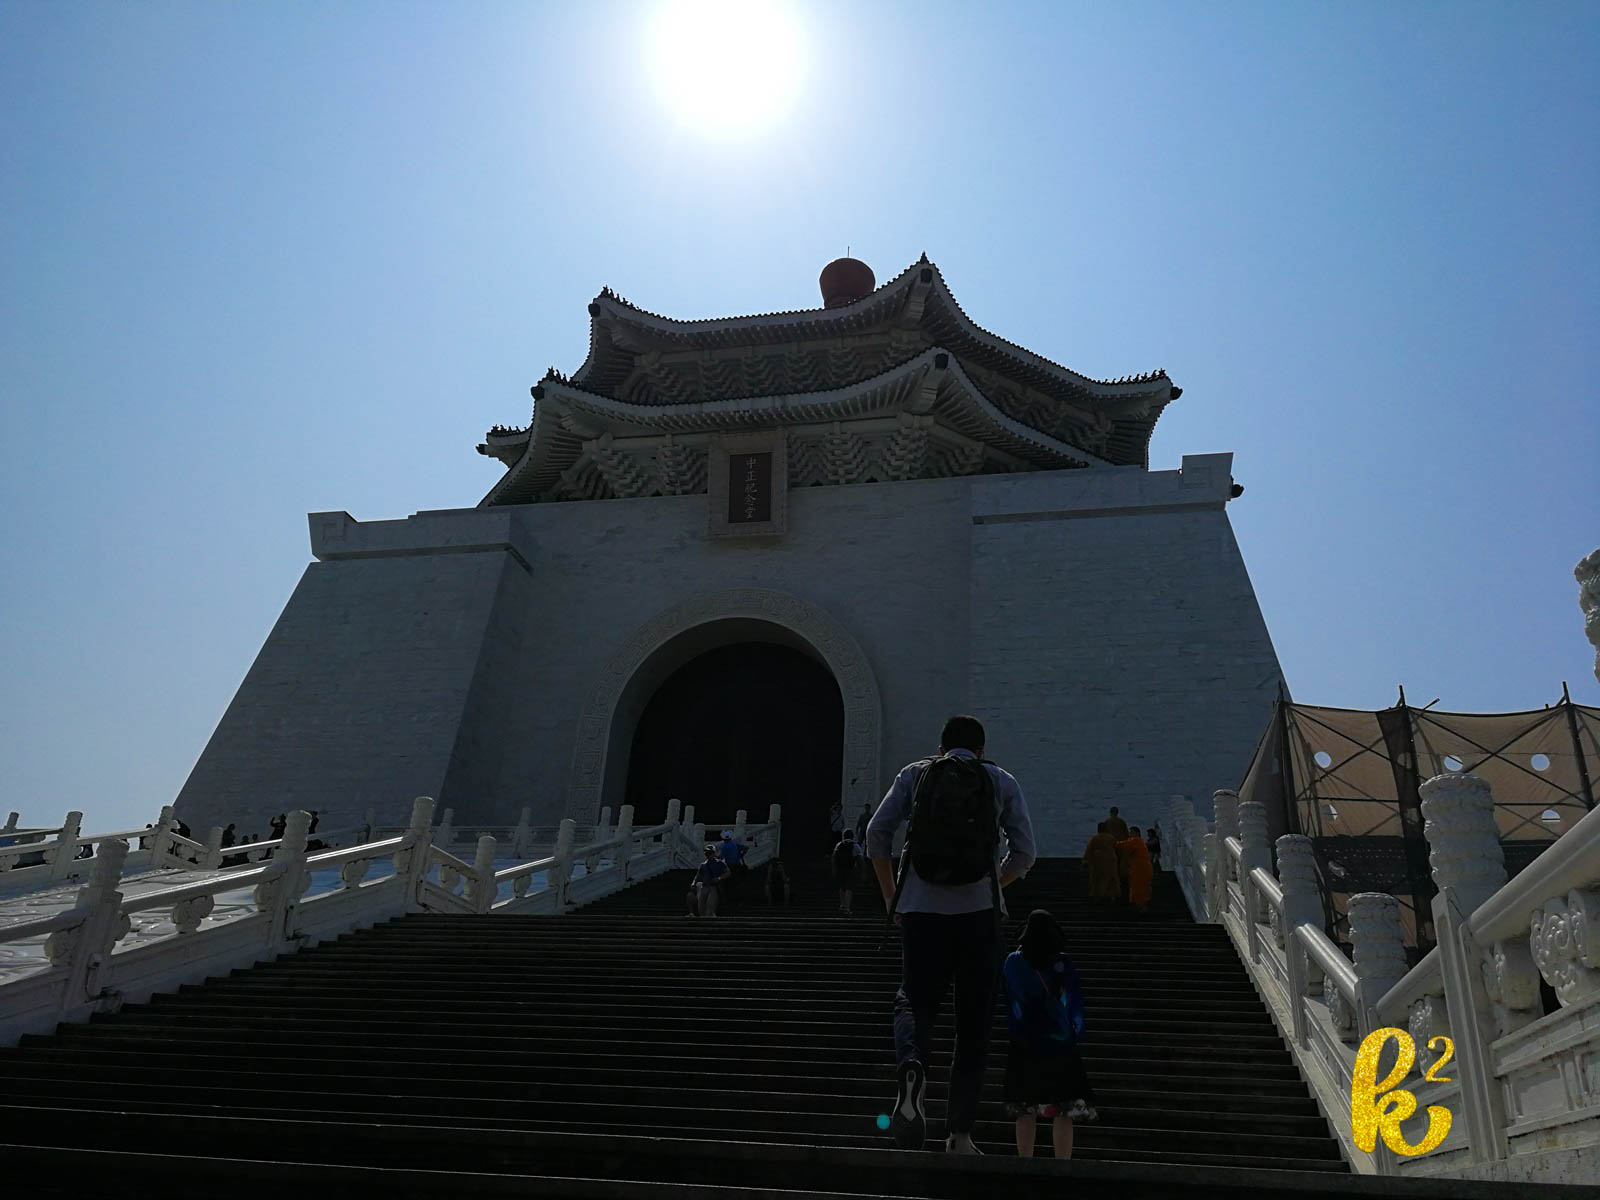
point(732, 854)
point(844, 858)
point(1152, 845)
point(1044, 1013)
point(1100, 864)
point(708, 881)
point(1116, 826)
point(777, 882)
point(1134, 860)
point(948, 905)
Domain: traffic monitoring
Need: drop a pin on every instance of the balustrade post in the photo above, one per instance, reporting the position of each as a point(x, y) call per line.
point(1225, 803)
point(480, 884)
point(212, 858)
point(1465, 855)
point(161, 836)
point(279, 897)
point(446, 833)
point(625, 833)
point(775, 821)
point(411, 861)
point(371, 834)
point(1378, 946)
point(1302, 905)
point(12, 821)
point(1216, 859)
point(522, 840)
point(1257, 852)
point(674, 817)
point(561, 870)
point(85, 950)
point(60, 852)
point(740, 820)
point(602, 832)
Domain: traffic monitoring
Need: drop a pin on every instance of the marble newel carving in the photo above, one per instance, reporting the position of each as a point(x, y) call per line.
point(1588, 575)
point(1302, 900)
point(1257, 851)
point(1378, 946)
point(1225, 803)
point(1465, 856)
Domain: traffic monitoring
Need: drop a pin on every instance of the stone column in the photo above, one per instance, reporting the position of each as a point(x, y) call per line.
point(1378, 946)
point(624, 851)
point(212, 859)
point(561, 872)
point(1257, 850)
point(1226, 805)
point(521, 840)
point(480, 885)
point(85, 950)
point(65, 846)
point(1463, 840)
point(280, 897)
point(1297, 875)
point(411, 863)
point(775, 820)
point(446, 833)
point(161, 836)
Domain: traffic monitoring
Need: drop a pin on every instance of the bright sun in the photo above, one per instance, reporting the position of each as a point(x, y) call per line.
point(727, 66)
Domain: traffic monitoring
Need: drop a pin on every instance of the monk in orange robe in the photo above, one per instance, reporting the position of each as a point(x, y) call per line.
point(1139, 869)
point(1100, 863)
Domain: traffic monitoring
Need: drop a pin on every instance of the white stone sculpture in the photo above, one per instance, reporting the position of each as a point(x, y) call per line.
point(1225, 803)
point(1257, 850)
point(1564, 936)
point(1378, 946)
point(1426, 1019)
point(1463, 840)
point(1302, 898)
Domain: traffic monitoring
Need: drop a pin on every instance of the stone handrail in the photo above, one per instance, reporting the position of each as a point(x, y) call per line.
point(1479, 987)
point(85, 970)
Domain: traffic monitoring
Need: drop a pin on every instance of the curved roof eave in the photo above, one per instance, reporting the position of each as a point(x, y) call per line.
point(608, 306)
point(545, 428)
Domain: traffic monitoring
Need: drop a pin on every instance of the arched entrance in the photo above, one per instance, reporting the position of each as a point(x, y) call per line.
point(638, 669)
point(743, 726)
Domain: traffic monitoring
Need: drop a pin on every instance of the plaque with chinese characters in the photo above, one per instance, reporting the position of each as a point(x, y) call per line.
point(748, 485)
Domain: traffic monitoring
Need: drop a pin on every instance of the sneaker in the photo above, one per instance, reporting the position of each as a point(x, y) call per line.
point(960, 1143)
point(908, 1124)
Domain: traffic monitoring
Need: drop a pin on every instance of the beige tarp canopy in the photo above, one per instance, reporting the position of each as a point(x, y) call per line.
point(1349, 779)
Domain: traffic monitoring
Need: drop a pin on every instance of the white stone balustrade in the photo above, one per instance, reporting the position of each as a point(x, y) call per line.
point(83, 971)
point(1254, 848)
point(1225, 806)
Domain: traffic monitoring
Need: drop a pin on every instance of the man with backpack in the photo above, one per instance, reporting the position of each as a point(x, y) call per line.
point(947, 904)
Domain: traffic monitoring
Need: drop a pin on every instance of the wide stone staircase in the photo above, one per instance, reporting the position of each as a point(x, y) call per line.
point(630, 1050)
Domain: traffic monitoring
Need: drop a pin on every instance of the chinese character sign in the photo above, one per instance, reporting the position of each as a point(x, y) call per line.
point(749, 488)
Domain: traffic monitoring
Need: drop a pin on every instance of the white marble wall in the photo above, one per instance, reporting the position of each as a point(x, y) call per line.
point(1100, 622)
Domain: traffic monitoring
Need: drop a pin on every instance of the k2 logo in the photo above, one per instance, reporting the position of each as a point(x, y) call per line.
point(1381, 1108)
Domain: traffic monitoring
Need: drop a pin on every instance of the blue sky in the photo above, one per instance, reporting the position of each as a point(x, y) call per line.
point(262, 260)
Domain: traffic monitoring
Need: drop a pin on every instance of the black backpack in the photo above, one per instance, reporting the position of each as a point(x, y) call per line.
point(844, 856)
point(954, 830)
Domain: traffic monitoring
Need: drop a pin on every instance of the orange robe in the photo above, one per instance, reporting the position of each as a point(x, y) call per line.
point(1100, 860)
point(1139, 870)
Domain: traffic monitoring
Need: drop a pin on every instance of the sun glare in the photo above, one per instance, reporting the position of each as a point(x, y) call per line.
point(727, 66)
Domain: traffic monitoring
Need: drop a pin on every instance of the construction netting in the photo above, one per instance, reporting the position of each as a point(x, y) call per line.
point(1349, 780)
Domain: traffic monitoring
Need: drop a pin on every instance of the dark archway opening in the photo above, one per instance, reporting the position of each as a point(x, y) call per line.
point(743, 726)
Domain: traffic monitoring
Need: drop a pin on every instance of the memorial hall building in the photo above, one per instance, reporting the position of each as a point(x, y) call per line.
point(761, 559)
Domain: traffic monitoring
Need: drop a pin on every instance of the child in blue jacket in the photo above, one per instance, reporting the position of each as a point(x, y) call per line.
point(1044, 1012)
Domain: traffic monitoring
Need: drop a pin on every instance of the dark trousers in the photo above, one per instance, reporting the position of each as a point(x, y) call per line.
point(937, 951)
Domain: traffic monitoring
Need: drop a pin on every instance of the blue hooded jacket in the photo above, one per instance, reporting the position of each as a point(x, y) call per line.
point(1044, 1019)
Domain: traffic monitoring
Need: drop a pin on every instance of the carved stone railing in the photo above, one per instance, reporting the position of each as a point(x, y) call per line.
point(159, 846)
point(83, 970)
point(1522, 1099)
